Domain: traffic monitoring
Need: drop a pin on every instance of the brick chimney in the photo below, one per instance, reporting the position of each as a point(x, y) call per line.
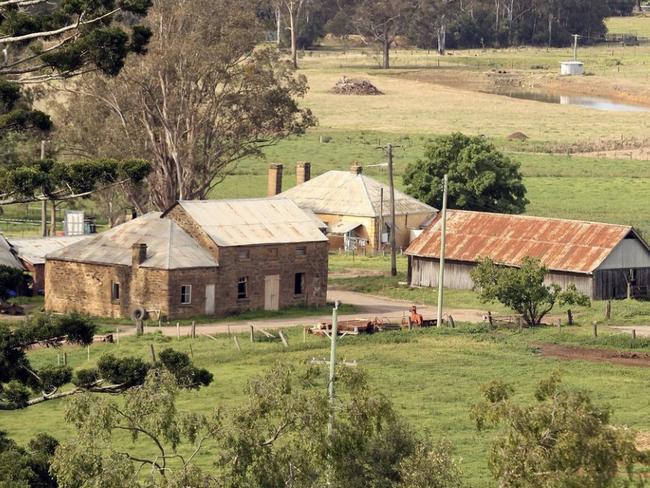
point(303, 172)
point(138, 254)
point(275, 179)
point(356, 169)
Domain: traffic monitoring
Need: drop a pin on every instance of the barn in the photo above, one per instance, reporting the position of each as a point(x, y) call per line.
point(604, 261)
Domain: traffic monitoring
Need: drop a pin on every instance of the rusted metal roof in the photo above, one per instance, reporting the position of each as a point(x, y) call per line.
point(34, 250)
point(347, 193)
point(168, 246)
point(561, 245)
point(7, 255)
point(253, 221)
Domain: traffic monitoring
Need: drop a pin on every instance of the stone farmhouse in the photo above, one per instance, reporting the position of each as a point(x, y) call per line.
point(604, 261)
point(214, 258)
point(355, 207)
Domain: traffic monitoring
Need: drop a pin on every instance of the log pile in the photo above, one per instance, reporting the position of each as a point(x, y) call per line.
point(355, 86)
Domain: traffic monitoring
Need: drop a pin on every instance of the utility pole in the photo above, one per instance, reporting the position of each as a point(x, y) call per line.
point(393, 244)
point(333, 337)
point(443, 236)
point(43, 202)
point(380, 243)
point(575, 46)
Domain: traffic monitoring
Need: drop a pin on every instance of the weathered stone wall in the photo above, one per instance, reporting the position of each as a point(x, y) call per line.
point(87, 287)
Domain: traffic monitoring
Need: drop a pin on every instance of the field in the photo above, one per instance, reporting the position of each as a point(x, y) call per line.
point(432, 376)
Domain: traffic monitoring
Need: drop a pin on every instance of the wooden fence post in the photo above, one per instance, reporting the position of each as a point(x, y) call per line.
point(304, 334)
point(451, 322)
point(608, 310)
point(490, 320)
point(191, 351)
point(193, 330)
point(178, 331)
point(595, 329)
point(88, 353)
point(570, 316)
point(634, 334)
point(236, 343)
point(153, 353)
point(284, 339)
point(65, 359)
point(252, 332)
point(117, 335)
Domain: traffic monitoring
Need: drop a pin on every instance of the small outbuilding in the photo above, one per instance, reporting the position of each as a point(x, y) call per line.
point(8, 255)
point(213, 257)
point(355, 207)
point(604, 261)
point(32, 252)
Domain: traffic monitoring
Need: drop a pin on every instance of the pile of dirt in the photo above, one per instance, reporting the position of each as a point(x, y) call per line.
point(626, 358)
point(517, 136)
point(355, 86)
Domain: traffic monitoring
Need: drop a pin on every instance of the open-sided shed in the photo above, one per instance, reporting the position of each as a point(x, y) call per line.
point(603, 260)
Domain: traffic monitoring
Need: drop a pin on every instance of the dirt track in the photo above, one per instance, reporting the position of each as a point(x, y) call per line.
point(368, 306)
point(626, 358)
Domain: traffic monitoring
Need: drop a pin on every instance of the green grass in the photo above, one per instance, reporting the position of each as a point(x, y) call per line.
point(432, 376)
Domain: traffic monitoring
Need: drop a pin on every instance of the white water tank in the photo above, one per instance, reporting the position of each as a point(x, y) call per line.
point(572, 68)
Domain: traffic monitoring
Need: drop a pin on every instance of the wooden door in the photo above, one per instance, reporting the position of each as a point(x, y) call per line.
point(272, 292)
point(209, 299)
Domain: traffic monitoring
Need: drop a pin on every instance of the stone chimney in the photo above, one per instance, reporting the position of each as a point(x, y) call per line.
point(138, 254)
point(275, 179)
point(356, 169)
point(303, 172)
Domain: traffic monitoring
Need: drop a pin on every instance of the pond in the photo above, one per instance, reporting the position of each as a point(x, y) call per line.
point(596, 103)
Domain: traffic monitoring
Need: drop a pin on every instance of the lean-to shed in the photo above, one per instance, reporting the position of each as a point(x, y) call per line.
point(603, 260)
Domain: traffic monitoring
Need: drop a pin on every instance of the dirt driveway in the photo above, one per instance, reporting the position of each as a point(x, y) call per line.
point(368, 306)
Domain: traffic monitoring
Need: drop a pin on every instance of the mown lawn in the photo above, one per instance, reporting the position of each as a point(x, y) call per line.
point(432, 376)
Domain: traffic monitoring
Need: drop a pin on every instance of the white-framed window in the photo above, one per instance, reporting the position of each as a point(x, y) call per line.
point(301, 251)
point(186, 294)
point(242, 287)
point(115, 291)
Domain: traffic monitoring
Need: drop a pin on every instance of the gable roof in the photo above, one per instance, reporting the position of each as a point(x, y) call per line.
point(34, 250)
point(347, 193)
point(168, 246)
point(561, 245)
point(7, 256)
point(253, 221)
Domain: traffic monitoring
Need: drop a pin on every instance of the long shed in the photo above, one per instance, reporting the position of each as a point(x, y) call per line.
point(604, 261)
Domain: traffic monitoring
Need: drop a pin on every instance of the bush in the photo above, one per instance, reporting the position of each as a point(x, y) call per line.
point(127, 371)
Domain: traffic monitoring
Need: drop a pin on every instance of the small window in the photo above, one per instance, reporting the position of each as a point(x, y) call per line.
point(115, 291)
point(244, 254)
point(242, 288)
point(301, 251)
point(186, 294)
point(273, 252)
point(299, 284)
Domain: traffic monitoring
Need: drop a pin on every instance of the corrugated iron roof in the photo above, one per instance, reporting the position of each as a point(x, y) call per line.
point(344, 227)
point(253, 221)
point(34, 250)
point(7, 256)
point(168, 246)
point(347, 193)
point(561, 245)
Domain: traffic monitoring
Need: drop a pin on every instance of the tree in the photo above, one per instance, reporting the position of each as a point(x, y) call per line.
point(382, 21)
point(276, 438)
point(11, 280)
point(571, 296)
point(430, 24)
point(480, 177)
point(522, 288)
point(57, 181)
point(43, 41)
point(18, 378)
point(294, 10)
point(562, 440)
point(20, 467)
point(192, 117)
